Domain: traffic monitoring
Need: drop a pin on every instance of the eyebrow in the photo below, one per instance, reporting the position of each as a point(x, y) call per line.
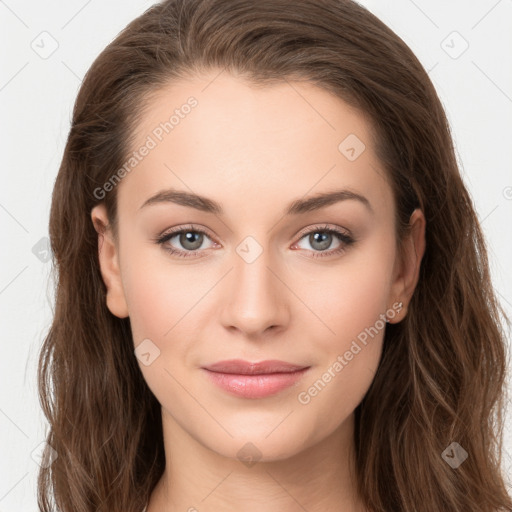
point(296, 207)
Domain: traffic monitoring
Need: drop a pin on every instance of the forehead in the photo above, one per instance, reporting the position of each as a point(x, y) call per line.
point(220, 136)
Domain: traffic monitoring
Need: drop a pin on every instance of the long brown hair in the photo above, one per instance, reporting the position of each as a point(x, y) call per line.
point(441, 379)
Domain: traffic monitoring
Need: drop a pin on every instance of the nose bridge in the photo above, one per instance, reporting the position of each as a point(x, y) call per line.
point(256, 299)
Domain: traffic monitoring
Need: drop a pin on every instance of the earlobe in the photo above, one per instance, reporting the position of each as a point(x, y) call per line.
point(410, 262)
point(108, 256)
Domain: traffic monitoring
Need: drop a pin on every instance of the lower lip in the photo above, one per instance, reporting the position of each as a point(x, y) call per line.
point(255, 386)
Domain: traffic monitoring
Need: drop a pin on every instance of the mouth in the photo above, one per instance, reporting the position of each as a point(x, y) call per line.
point(241, 367)
point(254, 379)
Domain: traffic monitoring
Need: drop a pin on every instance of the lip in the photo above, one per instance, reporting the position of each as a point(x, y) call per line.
point(254, 379)
point(241, 367)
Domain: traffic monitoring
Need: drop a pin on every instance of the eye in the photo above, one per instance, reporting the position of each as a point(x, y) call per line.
point(321, 239)
point(190, 238)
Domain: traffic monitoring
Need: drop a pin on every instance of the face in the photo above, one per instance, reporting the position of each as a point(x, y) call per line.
point(265, 275)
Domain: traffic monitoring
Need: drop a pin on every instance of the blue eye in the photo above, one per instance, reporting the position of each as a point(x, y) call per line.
point(191, 239)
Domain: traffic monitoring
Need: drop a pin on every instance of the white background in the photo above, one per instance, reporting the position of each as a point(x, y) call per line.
point(36, 99)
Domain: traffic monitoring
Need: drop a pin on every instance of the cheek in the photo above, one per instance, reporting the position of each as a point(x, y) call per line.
point(163, 304)
point(350, 306)
point(348, 298)
point(159, 292)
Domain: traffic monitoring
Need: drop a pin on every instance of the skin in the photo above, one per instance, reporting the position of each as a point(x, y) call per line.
point(254, 150)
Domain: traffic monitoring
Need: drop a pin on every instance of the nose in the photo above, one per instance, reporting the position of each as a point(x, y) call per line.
point(256, 297)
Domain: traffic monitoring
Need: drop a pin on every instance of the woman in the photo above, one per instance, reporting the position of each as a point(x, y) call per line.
point(273, 289)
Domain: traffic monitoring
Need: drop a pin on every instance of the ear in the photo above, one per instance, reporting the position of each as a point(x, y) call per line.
point(108, 255)
point(407, 266)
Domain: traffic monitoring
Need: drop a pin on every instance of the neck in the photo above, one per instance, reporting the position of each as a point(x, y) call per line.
point(196, 478)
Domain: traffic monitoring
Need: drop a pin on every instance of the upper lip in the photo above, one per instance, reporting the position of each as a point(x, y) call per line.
point(241, 367)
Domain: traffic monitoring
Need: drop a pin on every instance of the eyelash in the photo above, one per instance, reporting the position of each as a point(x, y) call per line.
point(343, 237)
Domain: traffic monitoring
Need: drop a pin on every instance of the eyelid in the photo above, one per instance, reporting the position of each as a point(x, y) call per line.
point(185, 227)
point(323, 227)
point(201, 229)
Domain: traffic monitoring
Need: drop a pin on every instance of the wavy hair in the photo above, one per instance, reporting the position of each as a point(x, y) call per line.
point(442, 374)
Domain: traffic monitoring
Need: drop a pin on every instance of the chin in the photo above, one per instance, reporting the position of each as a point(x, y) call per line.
point(257, 447)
